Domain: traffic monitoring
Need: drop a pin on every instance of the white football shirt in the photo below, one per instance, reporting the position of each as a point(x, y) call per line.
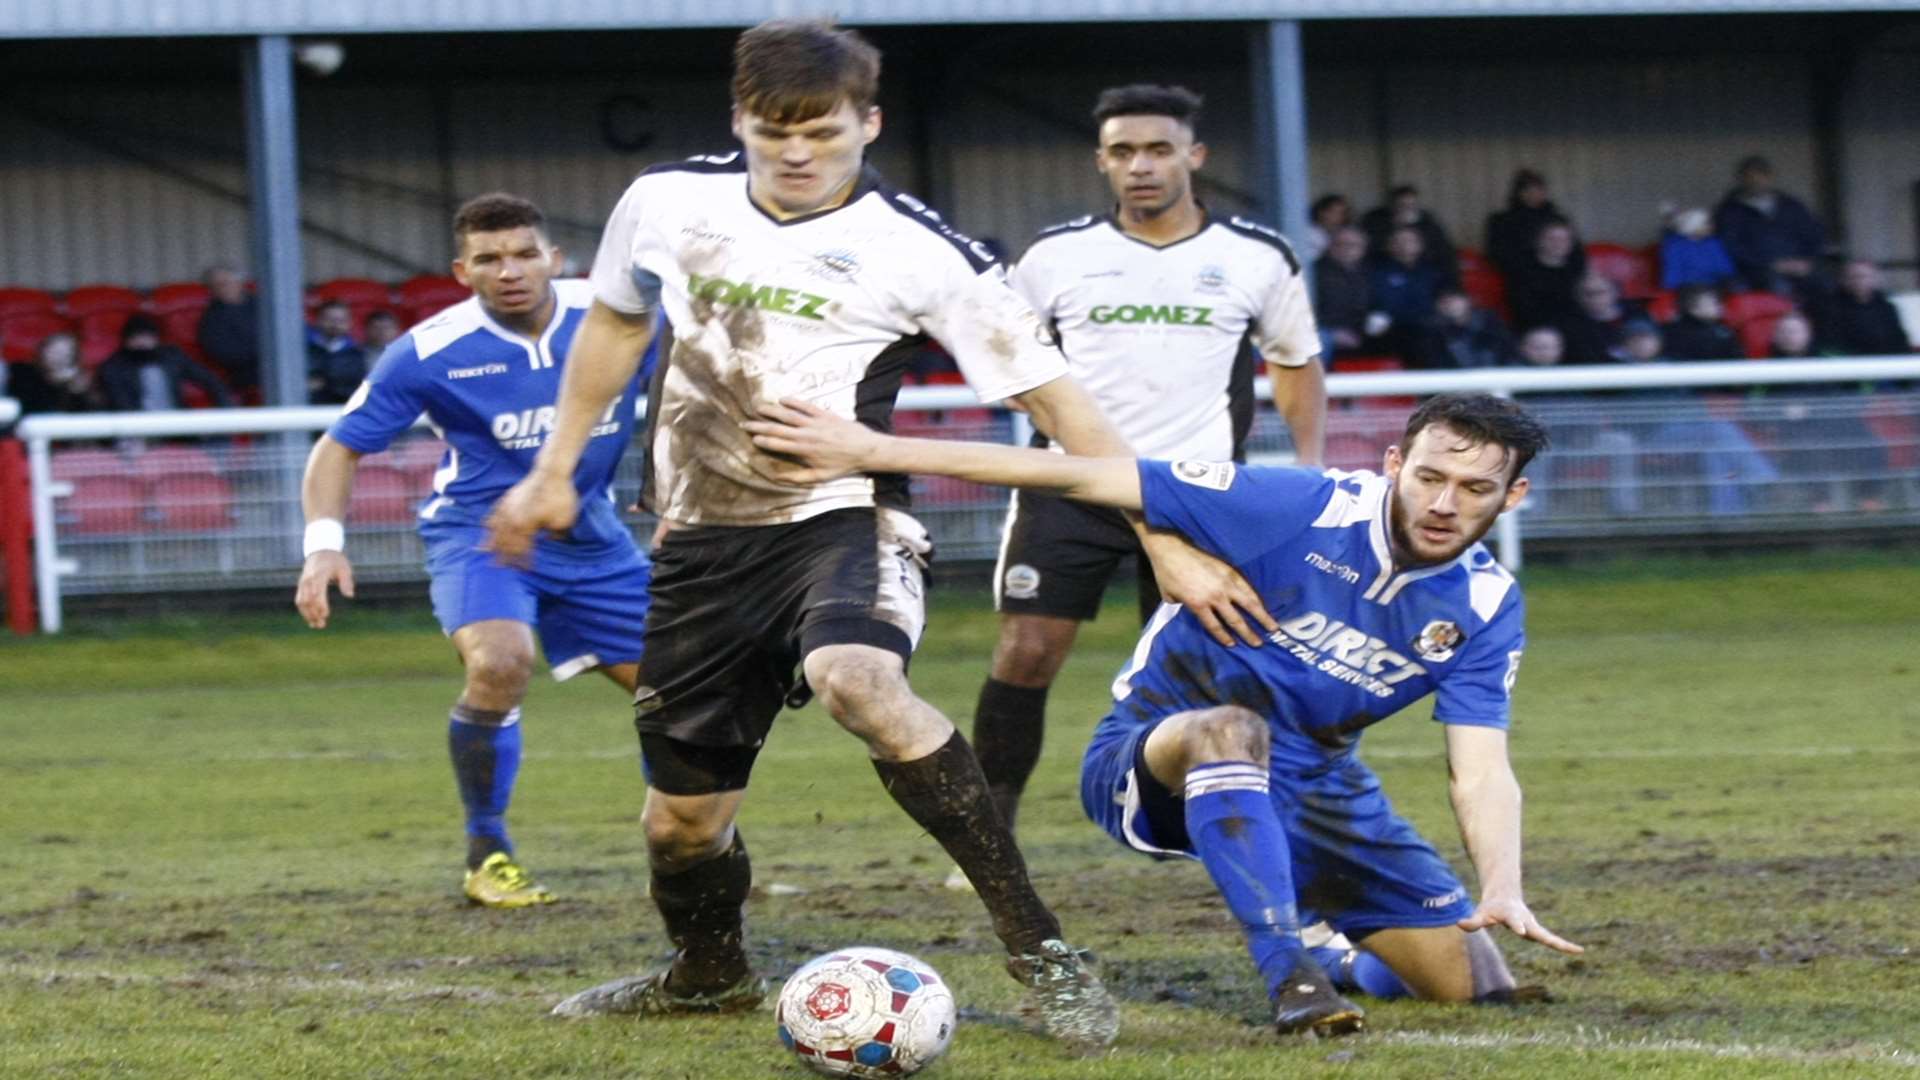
point(828, 307)
point(1160, 335)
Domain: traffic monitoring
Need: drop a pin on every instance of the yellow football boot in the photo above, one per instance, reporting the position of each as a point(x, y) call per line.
point(502, 883)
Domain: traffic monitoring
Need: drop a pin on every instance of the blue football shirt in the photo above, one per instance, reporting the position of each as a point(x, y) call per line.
point(490, 393)
point(1359, 639)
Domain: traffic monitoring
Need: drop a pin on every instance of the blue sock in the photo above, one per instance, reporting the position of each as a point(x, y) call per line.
point(1368, 974)
point(1235, 831)
point(485, 747)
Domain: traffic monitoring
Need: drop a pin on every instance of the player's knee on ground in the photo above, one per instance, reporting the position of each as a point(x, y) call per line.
point(1442, 964)
point(1031, 649)
point(684, 831)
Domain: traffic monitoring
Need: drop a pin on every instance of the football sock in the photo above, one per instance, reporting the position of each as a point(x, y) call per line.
point(701, 906)
point(1235, 831)
point(1359, 970)
point(1008, 725)
point(946, 794)
point(485, 747)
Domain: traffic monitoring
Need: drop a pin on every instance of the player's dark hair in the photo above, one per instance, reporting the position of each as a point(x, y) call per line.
point(495, 212)
point(1482, 419)
point(1149, 99)
point(790, 71)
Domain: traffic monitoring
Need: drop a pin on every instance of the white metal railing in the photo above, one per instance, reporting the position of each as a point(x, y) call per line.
point(41, 432)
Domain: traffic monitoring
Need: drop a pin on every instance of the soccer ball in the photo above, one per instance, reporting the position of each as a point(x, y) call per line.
point(866, 1012)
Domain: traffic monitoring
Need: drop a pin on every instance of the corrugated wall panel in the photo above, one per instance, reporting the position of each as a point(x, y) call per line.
point(1882, 158)
point(1614, 139)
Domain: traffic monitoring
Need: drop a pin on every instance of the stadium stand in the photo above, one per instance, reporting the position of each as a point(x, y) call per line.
point(88, 300)
point(1635, 270)
point(19, 301)
point(22, 333)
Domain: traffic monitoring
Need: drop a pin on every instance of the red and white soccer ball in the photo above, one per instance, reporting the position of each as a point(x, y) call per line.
point(866, 1012)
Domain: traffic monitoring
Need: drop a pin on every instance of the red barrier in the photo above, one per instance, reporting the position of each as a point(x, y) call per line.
point(16, 535)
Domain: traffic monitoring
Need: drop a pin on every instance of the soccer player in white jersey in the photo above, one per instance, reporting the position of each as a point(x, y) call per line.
point(1159, 305)
point(485, 372)
point(791, 270)
point(1245, 758)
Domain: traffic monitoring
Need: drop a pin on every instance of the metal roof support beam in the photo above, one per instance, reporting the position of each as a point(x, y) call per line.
point(1280, 119)
point(273, 166)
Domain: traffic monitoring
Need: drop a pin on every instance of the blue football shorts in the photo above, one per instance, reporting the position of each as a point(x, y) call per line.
point(1356, 864)
point(588, 604)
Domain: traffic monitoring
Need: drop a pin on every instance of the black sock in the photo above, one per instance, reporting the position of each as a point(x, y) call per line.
point(702, 909)
point(947, 795)
point(1008, 726)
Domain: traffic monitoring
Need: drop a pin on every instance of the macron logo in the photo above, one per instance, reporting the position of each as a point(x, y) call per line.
point(1327, 566)
point(476, 372)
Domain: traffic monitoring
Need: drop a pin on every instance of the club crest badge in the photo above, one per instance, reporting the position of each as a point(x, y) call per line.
point(1438, 641)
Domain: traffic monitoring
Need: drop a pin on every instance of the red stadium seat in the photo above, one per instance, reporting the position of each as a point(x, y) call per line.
point(1486, 288)
point(80, 463)
point(355, 291)
point(428, 295)
point(91, 299)
point(160, 461)
point(178, 296)
point(1471, 259)
point(1663, 307)
point(192, 502)
point(20, 335)
point(182, 327)
point(383, 495)
point(1743, 307)
point(15, 300)
point(100, 335)
point(1756, 336)
point(1635, 270)
point(106, 504)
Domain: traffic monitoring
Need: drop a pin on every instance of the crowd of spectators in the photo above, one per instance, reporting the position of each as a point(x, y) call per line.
point(1390, 283)
point(185, 346)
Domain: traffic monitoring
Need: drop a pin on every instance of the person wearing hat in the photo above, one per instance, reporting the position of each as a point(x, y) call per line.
point(144, 375)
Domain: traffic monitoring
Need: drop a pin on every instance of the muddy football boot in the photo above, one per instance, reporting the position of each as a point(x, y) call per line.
point(1065, 996)
point(647, 995)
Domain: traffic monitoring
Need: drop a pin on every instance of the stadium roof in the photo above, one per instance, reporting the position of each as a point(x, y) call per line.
point(117, 18)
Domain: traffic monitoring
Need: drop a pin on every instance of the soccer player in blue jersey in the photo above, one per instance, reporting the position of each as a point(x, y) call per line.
point(1244, 758)
point(485, 373)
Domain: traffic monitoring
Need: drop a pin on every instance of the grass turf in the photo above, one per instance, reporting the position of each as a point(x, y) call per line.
point(234, 850)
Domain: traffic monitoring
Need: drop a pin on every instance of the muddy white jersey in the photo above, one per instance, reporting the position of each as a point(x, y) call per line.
point(828, 307)
point(1163, 336)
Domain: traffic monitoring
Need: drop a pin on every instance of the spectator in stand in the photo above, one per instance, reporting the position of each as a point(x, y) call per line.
point(1329, 214)
point(145, 375)
point(1699, 333)
point(1404, 285)
point(1597, 331)
point(56, 381)
point(1403, 211)
point(1775, 241)
point(1342, 298)
point(1859, 320)
point(1542, 346)
point(1461, 336)
point(1511, 232)
point(335, 364)
point(1540, 289)
point(382, 328)
point(229, 331)
point(1691, 255)
point(1828, 434)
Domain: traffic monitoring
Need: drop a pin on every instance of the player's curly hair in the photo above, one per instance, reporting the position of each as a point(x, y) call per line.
point(494, 212)
point(1149, 99)
point(790, 71)
point(1480, 419)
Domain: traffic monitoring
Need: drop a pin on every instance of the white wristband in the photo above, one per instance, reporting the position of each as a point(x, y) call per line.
point(326, 534)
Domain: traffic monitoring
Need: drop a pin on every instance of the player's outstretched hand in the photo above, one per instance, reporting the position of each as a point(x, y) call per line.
point(323, 570)
point(1213, 590)
point(537, 503)
point(1514, 915)
point(818, 446)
